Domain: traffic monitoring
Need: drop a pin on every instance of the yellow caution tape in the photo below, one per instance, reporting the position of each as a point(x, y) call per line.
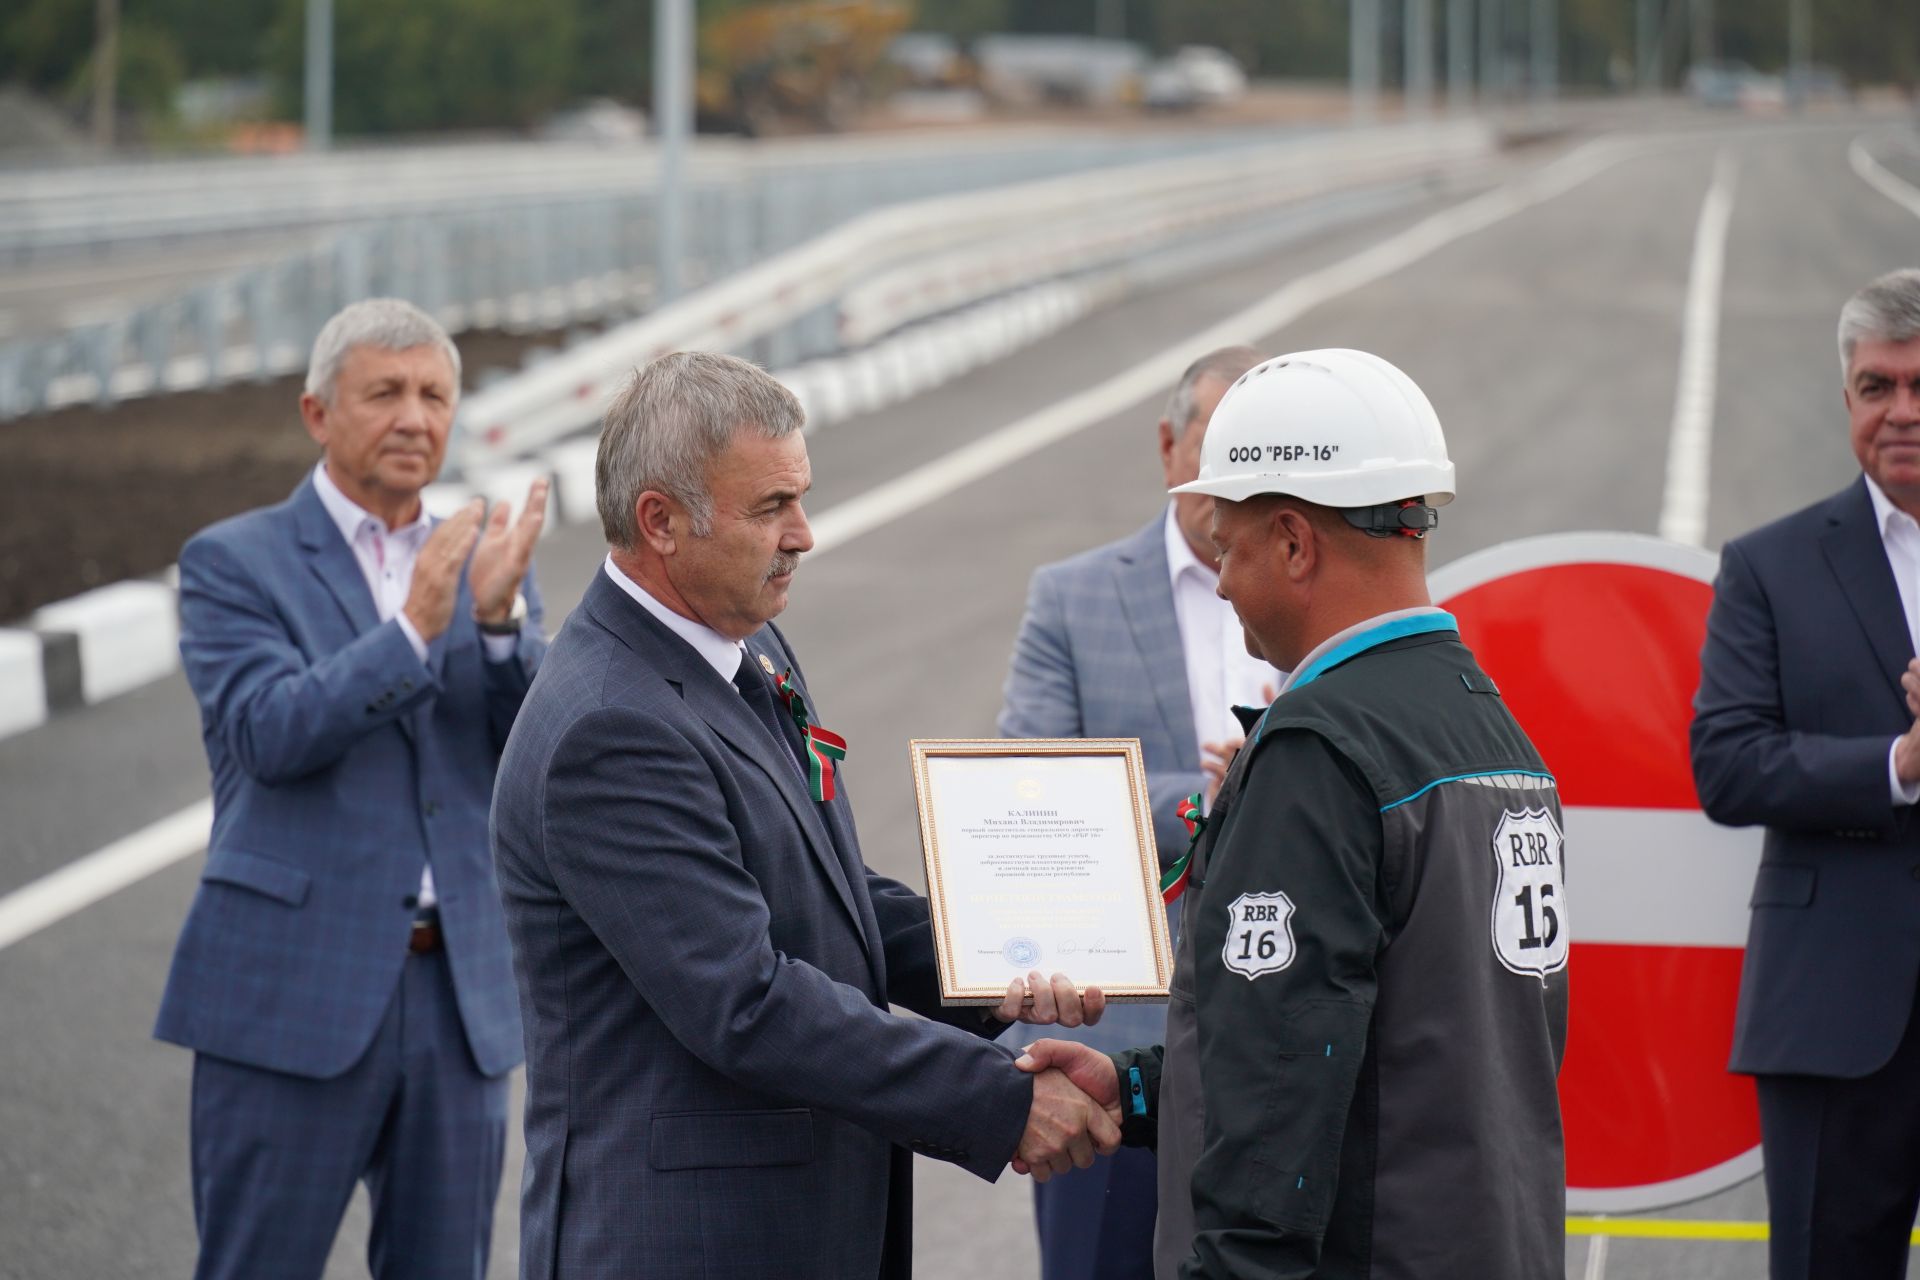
point(1672, 1229)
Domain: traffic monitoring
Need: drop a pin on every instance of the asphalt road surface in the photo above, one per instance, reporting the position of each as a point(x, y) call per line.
point(1549, 341)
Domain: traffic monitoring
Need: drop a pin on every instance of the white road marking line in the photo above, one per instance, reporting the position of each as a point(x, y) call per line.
point(1683, 508)
point(1882, 179)
point(84, 882)
point(1597, 1258)
point(91, 878)
point(1658, 877)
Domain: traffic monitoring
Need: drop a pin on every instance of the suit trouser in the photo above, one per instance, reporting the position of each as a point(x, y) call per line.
point(276, 1156)
point(1097, 1223)
point(1843, 1169)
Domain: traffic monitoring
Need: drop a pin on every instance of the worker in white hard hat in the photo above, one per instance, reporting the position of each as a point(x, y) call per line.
point(1370, 993)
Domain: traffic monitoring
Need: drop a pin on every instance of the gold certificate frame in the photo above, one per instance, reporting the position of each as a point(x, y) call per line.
point(1040, 855)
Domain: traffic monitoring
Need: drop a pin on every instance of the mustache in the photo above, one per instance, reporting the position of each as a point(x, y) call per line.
point(784, 562)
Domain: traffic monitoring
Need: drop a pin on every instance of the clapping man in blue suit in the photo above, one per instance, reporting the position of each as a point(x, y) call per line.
point(343, 976)
point(1130, 640)
point(1805, 723)
point(715, 1084)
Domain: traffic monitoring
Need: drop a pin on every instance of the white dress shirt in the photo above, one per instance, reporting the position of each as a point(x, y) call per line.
point(386, 558)
point(720, 653)
point(1901, 537)
point(1220, 672)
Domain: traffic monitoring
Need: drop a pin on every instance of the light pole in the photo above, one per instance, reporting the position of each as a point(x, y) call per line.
point(106, 70)
point(1363, 60)
point(1546, 51)
point(1492, 49)
point(672, 111)
point(1459, 56)
point(1799, 43)
point(1417, 46)
point(319, 85)
point(1646, 45)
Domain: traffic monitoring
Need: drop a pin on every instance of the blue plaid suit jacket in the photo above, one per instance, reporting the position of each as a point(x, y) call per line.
point(341, 766)
point(715, 1086)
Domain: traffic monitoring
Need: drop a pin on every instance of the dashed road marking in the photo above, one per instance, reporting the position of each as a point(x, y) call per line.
point(1683, 507)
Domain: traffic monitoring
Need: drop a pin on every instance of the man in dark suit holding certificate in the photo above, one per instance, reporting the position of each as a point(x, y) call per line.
point(715, 1084)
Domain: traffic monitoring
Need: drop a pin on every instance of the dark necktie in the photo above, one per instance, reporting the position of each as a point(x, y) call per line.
point(757, 691)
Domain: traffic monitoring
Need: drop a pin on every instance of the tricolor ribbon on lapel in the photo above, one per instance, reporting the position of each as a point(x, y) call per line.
point(824, 746)
point(1174, 882)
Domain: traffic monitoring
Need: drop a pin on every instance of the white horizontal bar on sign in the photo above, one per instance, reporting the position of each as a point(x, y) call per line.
point(1662, 877)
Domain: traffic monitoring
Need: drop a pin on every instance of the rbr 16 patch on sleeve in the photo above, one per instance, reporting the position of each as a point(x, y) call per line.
point(1259, 934)
point(1529, 897)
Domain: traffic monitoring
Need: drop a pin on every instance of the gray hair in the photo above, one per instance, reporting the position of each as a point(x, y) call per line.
point(1887, 310)
point(664, 431)
point(1226, 364)
point(390, 324)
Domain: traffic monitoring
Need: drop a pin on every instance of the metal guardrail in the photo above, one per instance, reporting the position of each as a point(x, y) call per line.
point(510, 238)
point(881, 270)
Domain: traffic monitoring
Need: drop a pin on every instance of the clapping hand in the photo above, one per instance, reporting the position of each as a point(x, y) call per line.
point(1906, 751)
point(1217, 757)
point(1052, 1001)
point(501, 556)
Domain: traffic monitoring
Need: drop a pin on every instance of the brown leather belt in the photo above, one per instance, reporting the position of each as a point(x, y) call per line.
point(426, 934)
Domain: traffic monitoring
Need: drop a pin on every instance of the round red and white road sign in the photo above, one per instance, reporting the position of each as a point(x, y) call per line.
point(1594, 640)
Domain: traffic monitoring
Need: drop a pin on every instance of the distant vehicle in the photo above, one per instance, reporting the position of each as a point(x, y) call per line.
point(1210, 73)
point(1763, 94)
point(1026, 70)
point(1816, 84)
point(929, 60)
point(601, 120)
point(1719, 84)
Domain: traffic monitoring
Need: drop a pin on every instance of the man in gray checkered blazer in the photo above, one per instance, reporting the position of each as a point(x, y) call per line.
point(715, 1084)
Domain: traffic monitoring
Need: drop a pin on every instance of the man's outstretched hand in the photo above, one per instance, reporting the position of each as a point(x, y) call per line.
point(1090, 1074)
point(1065, 1128)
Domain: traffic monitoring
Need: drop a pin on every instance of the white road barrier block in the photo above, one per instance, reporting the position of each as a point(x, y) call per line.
point(864, 390)
point(573, 484)
point(832, 398)
point(23, 685)
point(129, 633)
point(800, 381)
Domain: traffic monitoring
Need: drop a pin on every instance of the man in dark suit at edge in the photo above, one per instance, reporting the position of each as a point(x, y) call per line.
point(1804, 722)
point(715, 1084)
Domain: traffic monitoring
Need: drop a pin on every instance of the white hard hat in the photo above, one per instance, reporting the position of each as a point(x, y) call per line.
point(1341, 428)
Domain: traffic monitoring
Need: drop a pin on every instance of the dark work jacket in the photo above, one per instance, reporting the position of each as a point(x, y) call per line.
point(1370, 998)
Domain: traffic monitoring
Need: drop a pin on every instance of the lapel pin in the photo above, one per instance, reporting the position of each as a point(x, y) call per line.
point(766, 664)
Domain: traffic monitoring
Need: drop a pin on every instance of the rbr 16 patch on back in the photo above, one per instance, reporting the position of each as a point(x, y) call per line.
point(1529, 898)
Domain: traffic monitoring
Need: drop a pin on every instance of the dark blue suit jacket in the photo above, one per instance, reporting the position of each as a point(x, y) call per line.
point(1799, 701)
point(341, 765)
point(715, 1086)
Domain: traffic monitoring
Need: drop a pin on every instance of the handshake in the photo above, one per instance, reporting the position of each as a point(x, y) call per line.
point(1076, 1091)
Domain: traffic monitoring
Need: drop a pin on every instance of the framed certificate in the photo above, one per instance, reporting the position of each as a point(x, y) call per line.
point(1040, 855)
